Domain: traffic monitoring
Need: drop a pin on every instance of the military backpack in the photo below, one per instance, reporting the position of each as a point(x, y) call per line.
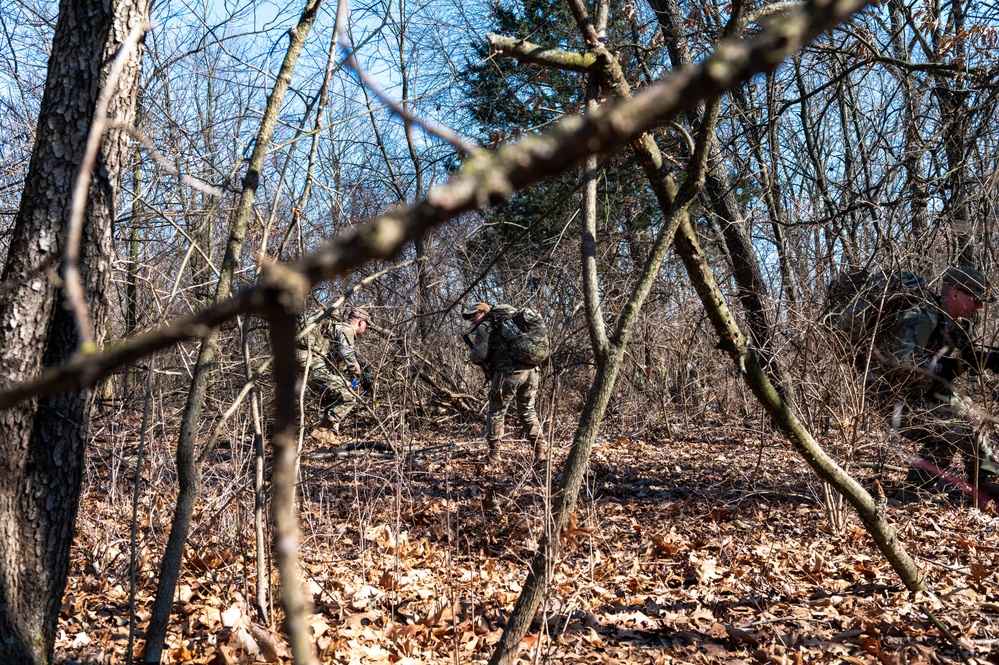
point(860, 303)
point(524, 332)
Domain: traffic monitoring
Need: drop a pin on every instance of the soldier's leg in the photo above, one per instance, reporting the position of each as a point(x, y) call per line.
point(981, 465)
point(341, 404)
point(932, 425)
point(324, 399)
point(501, 392)
point(527, 395)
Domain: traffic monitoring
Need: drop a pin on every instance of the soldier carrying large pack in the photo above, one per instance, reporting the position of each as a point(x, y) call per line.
point(923, 343)
point(509, 344)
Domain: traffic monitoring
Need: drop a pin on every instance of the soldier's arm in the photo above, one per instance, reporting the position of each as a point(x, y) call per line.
point(347, 353)
point(914, 366)
point(980, 358)
point(480, 345)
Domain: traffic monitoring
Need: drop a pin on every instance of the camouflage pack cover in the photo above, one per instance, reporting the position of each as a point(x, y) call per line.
point(524, 333)
point(860, 302)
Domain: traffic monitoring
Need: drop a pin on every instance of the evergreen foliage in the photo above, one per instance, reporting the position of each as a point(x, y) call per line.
point(508, 99)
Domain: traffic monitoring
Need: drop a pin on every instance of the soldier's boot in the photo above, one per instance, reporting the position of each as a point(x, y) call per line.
point(492, 454)
point(494, 432)
point(917, 486)
point(988, 490)
point(920, 479)
point(540, 455)
point(328, 435)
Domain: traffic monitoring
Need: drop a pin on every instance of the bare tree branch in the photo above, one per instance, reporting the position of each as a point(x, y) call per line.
point(444, 133)
point(524, 51)
point(289, 290)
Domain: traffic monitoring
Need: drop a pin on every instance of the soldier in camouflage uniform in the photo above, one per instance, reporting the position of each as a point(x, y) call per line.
point(927, 348)
point(335, 373)
point(508, 380)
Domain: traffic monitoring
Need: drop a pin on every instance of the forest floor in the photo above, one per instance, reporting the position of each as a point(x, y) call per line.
point(708, 545)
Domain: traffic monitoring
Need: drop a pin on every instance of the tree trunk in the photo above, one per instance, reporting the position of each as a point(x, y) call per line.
point(42, 442)
point(752, 290)
point(952, 94)
point(588, 249)
point(767, 175)
point(915, 178)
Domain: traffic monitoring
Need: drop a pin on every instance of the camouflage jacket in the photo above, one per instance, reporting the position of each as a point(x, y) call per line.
point(923, 351)
point(333, 351)
point(490, 350)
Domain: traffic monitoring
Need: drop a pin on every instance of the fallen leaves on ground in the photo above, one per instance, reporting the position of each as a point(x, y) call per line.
point(706, 548)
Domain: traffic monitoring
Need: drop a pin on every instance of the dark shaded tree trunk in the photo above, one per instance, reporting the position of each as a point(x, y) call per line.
point(767, 176)
point(132, 271)
point(915, 178)
point(752, 290)
point(953, 95)
point(42, 442)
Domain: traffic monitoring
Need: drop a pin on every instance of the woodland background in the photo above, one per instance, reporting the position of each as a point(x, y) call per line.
point(701, 533)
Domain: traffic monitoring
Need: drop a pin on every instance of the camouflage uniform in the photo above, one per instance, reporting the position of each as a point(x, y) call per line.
point(509, 381)
point(927, 348)
point(334, 367)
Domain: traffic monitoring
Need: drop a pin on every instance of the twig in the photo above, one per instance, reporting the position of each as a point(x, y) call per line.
point(946, 631)
point(147, 142)
point(441, 132)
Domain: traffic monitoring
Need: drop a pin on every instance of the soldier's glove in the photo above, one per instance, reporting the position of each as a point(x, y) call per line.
point(946, 367)
point(365, 382)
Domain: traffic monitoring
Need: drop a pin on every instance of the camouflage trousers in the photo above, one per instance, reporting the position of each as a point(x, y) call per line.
point(945, 425)
point(506, 387)
point(333, 398)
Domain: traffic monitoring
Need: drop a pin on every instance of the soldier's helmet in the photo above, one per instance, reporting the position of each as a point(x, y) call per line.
point(473, 309)
point(358, 313)
point(971, 280)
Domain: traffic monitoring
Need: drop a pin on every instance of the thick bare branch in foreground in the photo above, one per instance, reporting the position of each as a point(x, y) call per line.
point(189, 469)
point(289, 290)
point(524, 51)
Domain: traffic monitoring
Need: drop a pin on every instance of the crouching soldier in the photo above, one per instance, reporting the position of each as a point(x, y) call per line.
point(929, 346)
point(335, 374)
point(510, 378)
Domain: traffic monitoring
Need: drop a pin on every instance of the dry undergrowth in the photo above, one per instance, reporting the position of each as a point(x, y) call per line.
point(708, 547)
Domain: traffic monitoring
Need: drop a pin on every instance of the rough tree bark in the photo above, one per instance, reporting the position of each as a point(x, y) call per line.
point(950, 39)
point(42, 442)
point(753, 293)
point(912, 99)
